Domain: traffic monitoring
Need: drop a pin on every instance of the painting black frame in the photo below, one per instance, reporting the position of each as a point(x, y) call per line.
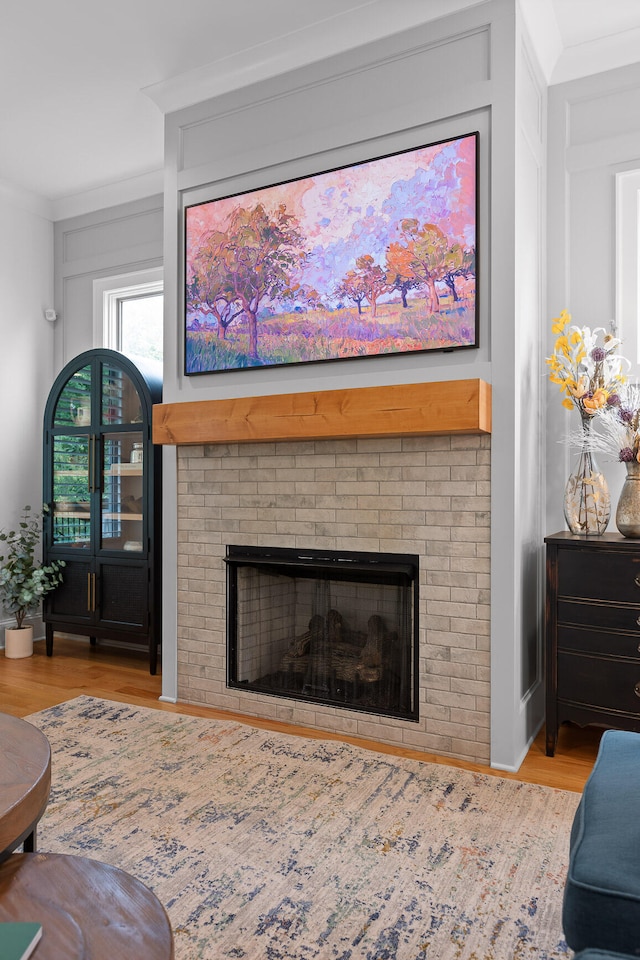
point(292, 327)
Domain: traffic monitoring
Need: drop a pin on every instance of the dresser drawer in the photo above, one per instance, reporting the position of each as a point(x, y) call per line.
point(608, 684)
point(607, 616)
point(599, 642)
point(599, 575)
point(592, 632)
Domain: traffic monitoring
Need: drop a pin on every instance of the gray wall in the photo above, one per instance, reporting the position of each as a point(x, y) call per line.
point(594, 135)
point(517, 284)
point(111, 242)
point(450, 77)
point(26, 359)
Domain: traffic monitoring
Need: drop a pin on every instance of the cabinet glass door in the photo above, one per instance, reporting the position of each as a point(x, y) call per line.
point(71, 486)
point(73, 408)
point(120, 399)
point(121, 526)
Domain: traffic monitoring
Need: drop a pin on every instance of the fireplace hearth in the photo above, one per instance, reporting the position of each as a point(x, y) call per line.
point(330, 627)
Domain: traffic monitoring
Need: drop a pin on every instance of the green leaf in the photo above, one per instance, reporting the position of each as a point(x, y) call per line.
point(23, 579)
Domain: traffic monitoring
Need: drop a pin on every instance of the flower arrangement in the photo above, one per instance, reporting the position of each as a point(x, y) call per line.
point(619, 433)
point(24, 581)
point(589, 374)
point(591, 377)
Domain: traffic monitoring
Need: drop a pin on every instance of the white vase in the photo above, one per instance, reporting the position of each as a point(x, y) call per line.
point(18, 642)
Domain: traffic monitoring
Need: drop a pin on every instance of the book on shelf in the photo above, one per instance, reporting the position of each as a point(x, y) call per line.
point(19, 940)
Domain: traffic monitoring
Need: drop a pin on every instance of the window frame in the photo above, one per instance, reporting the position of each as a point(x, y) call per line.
point(109, 292)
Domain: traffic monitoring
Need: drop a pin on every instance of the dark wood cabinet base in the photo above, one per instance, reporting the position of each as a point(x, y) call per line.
point(592, 628)
point(151, 646)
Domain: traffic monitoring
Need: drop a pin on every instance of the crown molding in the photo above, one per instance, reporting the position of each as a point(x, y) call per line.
point(596, 56)
point(26, 200)
point(109, 195)
point(372, 21)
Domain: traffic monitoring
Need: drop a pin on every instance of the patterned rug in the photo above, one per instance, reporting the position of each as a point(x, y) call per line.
point(265, 846)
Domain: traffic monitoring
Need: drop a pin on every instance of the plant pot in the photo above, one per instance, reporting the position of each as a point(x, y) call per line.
point(18, 642)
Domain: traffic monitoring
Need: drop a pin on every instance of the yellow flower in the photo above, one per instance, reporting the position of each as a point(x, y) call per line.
point(596, 402)
point(583, 381)
point(579, 389)
point(559, 323)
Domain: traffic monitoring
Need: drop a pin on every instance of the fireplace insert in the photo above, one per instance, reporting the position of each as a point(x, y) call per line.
point(332, 627)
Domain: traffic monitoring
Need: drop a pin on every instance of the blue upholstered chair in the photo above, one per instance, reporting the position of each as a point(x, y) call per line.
point(601, 909)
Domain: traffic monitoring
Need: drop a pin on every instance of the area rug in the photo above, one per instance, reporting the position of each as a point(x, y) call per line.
point(264, 846)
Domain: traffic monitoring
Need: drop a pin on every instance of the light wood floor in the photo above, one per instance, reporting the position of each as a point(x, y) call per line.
point(76, 668)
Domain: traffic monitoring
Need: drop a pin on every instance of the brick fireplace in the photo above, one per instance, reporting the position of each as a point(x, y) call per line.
point(417, 489)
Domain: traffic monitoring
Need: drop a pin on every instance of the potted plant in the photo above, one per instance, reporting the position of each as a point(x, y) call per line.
point(24, 581)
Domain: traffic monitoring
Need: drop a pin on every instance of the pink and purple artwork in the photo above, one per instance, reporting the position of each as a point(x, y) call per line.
point(372, 259)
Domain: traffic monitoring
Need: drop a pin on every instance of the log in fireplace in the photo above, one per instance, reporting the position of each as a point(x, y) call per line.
point(331, 627)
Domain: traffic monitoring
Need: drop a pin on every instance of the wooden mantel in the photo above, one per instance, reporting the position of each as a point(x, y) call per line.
point(402, 410)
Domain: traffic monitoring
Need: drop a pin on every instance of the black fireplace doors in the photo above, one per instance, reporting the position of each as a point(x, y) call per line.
point(337, 628)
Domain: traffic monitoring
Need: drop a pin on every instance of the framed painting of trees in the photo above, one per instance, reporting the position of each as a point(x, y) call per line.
point(372, 259)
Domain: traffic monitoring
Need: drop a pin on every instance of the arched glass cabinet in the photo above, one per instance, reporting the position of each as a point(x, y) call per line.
point(102, 483)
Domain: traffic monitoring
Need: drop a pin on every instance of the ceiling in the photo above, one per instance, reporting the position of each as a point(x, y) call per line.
point(83, 86)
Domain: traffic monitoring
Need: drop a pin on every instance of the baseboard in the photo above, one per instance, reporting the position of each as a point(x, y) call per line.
point(508, 768)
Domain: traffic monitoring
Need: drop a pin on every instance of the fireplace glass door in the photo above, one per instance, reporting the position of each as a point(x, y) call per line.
point(337, 628)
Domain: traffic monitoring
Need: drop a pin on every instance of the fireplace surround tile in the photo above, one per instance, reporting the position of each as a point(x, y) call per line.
point(424, 495)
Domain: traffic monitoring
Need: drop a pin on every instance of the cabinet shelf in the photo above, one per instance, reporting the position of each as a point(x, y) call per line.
point(123, 516)
point(124, 470)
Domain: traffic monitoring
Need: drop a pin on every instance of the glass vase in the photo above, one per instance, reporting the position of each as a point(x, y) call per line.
point(587, 502)
point(628, 512)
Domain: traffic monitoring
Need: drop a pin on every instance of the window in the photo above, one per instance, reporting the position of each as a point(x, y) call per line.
point(139, 325)
point(128, 312)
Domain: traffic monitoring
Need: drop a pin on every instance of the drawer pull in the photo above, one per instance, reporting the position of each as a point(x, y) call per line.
point(638, 621)
point(637, 581)
point(636, 689)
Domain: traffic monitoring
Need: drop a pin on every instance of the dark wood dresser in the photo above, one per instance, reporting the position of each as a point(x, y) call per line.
point(592, 628)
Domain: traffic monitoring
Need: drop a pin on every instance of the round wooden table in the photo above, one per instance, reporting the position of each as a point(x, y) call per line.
point(25, 782)
point(88, 910)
